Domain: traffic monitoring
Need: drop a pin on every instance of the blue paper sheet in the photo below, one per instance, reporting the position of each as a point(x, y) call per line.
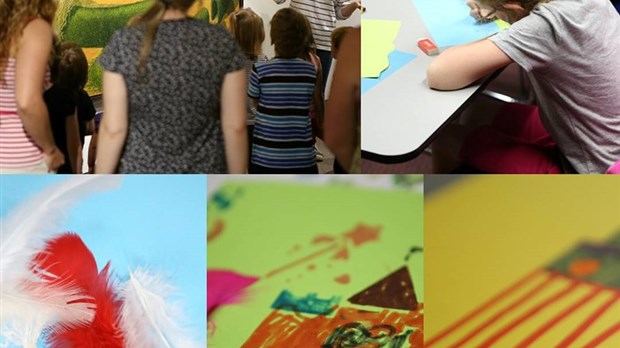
point(397, 60)
point(450, 24)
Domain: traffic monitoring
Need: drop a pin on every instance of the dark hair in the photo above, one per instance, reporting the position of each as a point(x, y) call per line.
point(70, 67)
point(290, 33)
point(337, 35)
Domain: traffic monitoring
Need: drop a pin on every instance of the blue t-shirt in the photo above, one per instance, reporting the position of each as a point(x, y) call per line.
point(283, 131)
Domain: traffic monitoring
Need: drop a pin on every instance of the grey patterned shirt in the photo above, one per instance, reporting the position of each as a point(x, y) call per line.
point(174, 109)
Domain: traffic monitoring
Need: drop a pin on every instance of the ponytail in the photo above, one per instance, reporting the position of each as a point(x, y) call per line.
point(151, 18)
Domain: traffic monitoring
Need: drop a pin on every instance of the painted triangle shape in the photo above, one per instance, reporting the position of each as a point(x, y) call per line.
point(393, 291)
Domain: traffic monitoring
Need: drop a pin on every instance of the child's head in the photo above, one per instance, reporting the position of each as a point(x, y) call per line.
point(290, 33)
point(70, 67)
point(511, 10)
point(336, 38)
point(247, 28)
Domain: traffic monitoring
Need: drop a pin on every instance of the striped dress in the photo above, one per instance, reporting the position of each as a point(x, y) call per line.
point(322, 15)
point(17, 149)
point(283, 132)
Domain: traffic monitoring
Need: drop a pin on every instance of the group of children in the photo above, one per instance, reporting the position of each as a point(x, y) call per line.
point(286, 93)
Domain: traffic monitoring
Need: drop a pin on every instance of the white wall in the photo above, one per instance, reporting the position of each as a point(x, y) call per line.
point(266, 9)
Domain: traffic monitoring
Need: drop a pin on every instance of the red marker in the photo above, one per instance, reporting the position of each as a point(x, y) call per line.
point(428, 47)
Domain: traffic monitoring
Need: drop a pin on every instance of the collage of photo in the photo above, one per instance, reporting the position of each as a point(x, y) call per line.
point(309, 173)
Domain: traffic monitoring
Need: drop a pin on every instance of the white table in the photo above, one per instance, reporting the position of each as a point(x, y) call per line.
point(401, 115)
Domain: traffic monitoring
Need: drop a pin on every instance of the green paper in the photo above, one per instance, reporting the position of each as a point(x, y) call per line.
point(268, 225)
point(377, 43)
point(502, 25)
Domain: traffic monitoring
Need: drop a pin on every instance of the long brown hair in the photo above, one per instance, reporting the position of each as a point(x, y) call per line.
point(151, 19)
point(248, 29)
point(14, 16)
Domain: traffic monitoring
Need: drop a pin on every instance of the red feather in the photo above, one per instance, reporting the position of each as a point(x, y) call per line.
point(68, 257)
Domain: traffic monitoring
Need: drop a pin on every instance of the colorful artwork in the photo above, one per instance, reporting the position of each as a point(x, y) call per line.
point(531, 262)
point(348, 327)
point(91, 24)
point(318, 246)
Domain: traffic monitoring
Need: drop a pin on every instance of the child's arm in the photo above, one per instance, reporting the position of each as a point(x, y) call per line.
point(30, 67)
point(458, 67)
point(234, 115)
point(113, 130)
point(342, 116)
point(318, 102)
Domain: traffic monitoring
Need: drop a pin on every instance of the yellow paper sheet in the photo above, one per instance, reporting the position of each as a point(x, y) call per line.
point(484, 234)
point(377, 43)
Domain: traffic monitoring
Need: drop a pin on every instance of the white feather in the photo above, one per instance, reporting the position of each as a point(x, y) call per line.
point(26, 315)
point(28, 302)
point(148, 318)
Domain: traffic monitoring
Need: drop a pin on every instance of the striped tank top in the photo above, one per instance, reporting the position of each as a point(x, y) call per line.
point(17, 149)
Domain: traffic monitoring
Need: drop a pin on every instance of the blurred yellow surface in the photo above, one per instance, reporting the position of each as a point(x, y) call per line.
point(483, 234)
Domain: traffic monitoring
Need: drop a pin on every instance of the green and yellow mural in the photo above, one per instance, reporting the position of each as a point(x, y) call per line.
point(91, 24)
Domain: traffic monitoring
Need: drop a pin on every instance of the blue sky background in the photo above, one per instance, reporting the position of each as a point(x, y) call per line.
point(153, 221)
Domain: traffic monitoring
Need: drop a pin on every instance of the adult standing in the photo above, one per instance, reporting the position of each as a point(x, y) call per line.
point(323, 15)
point(174, 96)
point(26, 141)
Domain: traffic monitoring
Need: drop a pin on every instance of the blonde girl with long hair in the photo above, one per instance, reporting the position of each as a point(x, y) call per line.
point(173, 96)
point(248, 29)
point(26, 141)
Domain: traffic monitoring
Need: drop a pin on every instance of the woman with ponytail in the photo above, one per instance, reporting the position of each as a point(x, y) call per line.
point(26, 141)
point(173, 96)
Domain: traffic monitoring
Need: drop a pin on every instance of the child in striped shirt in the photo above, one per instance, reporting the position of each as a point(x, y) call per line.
point(282, 89)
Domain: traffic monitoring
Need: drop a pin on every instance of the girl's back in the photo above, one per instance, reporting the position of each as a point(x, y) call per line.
point(174, 107)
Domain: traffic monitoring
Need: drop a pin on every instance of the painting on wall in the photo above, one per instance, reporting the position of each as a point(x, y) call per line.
point(91, 23)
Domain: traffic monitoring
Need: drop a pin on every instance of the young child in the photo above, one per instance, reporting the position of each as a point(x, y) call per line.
point(570, 50)
point(283, 89)
point(69, 76)
point(248, 30)
point(336, 39)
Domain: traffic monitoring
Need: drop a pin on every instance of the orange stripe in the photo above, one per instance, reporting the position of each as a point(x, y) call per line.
point(551, 323)
point(545, 303)
point(589, 321)
point(526, 280)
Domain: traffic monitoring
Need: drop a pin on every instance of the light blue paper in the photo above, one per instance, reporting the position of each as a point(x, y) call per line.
point(450, 24)
point(155, 221)
point(397, 60)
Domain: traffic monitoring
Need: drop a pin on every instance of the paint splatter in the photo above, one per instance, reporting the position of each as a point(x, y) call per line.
point(310, 303)
point(342, 254)
point(216, 230)
point(363, 234)
point(343, 279)
point(323, 239)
